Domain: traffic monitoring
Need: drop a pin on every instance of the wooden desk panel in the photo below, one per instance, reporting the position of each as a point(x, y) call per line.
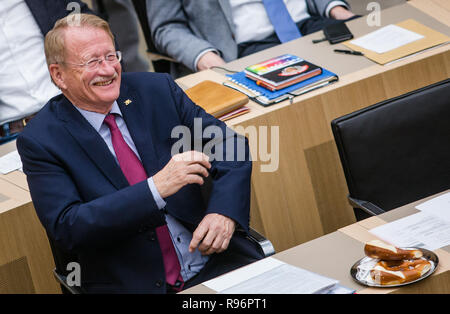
point(439, 9)
point(26, 261)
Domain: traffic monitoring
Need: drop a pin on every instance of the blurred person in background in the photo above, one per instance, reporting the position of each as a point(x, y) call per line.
point(203, 34)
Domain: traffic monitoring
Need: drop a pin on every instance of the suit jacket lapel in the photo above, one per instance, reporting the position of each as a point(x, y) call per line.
point(139, 126)
point(226, 8)
point(92, 143)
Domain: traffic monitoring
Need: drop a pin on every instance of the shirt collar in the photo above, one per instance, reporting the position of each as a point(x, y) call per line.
point(95, 118)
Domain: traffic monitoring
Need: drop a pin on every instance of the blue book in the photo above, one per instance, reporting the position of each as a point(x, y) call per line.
point(265, 97)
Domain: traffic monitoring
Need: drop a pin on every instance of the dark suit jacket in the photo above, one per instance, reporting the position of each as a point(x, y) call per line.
point(47, 12)
point(85, 202)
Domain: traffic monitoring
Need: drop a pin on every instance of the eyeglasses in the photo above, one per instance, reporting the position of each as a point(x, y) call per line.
point(93, 64)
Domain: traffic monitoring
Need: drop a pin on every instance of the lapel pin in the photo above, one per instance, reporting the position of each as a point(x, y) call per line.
point(127, 102)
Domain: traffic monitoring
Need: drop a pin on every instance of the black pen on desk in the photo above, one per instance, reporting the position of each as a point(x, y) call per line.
point(349, 52)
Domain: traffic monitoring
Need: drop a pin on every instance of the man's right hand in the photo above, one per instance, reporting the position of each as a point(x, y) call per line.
point(182, 169)
point(208, 60)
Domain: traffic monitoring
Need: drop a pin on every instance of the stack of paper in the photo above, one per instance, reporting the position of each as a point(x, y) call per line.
point(386, 39)
point(272, 276)
point(438, 206)
point(394, 42)
point(429, 229)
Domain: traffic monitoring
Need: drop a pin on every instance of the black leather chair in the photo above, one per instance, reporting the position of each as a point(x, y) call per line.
point(397, 151)
point(63, 258)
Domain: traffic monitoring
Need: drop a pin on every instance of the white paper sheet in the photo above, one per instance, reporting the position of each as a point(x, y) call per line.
point(419, 230)
point(284, 279)
point(386, 39)
point(10, 162)
point(438, 206)
point(228, 280)
point(270, 276)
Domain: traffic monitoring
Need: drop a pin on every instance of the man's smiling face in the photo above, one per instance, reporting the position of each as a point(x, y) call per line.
point(90, 88)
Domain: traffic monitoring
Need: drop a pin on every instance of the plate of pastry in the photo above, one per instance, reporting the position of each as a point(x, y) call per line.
point(388, 266)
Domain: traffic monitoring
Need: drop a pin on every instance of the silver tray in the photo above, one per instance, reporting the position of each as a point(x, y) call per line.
point(357, 273)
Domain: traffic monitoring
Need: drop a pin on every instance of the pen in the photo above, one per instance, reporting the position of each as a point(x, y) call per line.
point(349, 52)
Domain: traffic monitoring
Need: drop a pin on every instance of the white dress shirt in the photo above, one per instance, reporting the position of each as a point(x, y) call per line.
point(25, 85)
point(252, 22)
point(191, 263)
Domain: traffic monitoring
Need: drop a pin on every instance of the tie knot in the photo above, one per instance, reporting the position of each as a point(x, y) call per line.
point(110, 121)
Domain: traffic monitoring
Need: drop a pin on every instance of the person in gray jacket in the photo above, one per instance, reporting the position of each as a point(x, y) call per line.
point(207, 33)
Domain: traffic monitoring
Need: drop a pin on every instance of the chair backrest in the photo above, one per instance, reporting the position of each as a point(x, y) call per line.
point(160, 62)
point(62, 259)
point(140, 6)
point(397, 151)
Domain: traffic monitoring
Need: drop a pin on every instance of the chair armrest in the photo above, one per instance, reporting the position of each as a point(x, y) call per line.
point(63, 282)
point(264, 244)
point(366, 206)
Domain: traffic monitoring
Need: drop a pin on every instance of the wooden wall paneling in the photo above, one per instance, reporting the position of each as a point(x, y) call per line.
point(439, 9)
point(15, 277)
point(287, 188)
point(330, 188)
point(255, 217)
point(22, 234)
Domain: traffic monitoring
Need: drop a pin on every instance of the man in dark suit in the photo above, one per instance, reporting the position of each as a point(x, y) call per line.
point(103, 181)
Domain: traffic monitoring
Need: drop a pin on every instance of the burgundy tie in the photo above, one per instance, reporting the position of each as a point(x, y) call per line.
point(134, 172)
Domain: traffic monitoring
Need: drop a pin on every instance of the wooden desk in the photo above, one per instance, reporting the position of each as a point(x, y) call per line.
point(16, 177)
point(334, 254)
point(26, 261)
point(306, 196)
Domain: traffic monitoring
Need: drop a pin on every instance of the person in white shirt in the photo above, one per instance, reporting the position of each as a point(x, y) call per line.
point(203, 34)
point(25, 84)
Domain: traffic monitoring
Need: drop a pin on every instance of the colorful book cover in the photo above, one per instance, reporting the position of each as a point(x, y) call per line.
point(282, 71)
point(272, 64)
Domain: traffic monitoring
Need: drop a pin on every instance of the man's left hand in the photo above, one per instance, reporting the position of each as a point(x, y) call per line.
point(341, 13)
point(213, 234)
